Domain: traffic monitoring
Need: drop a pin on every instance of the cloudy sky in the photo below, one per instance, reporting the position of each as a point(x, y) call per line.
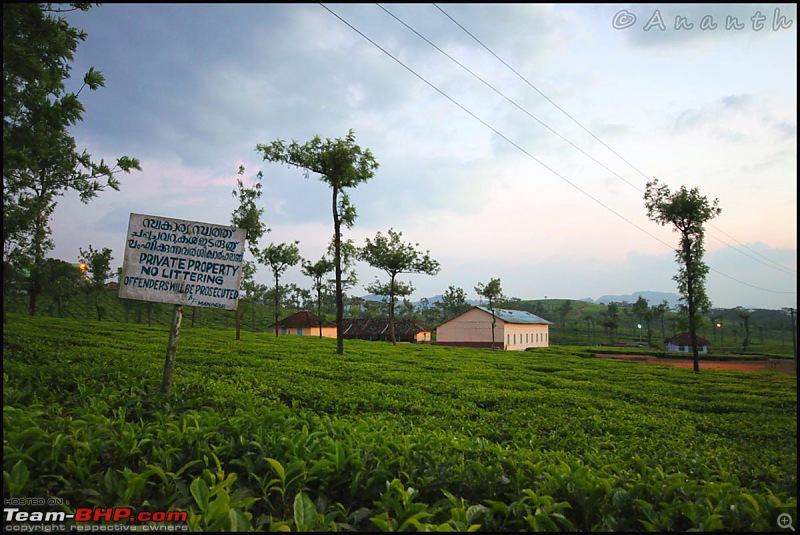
point(514, 141)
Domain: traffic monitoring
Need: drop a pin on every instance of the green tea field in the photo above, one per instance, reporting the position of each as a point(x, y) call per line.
point(282, 434)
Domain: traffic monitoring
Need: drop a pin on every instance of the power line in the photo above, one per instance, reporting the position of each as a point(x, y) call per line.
point(774, 265)
point(490, 127)
point(525, 111)
point(515, 145)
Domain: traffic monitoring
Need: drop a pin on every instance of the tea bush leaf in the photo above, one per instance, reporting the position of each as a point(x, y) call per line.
point(200, 494)
point(305, 514)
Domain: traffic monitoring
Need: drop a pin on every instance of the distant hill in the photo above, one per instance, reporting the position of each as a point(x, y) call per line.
point(653, 298)
point(431, 300)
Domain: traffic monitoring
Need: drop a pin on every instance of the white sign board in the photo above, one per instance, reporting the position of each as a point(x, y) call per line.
point(182, 262)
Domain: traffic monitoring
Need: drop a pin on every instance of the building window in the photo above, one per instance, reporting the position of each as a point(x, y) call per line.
point(508, 339)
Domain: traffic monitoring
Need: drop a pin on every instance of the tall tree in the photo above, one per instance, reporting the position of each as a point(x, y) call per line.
point(493, 293)
point(99, 267)
point(342, 164)
point(395, 257)
point(40, 158)
point(454, 302)
point(278, 258)
point(612, 320)
point(62, 281)
point(687, 211)
point(745, 315)
point(563, 311)
point(661, 313)
point(317, 271)
point(248, 216)
point(249, 290)
point(642, 310)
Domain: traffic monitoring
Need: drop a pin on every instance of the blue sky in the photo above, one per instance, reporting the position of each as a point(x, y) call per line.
point(535, 177)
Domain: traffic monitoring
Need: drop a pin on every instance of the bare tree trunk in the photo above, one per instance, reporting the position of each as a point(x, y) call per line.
point(337, 260)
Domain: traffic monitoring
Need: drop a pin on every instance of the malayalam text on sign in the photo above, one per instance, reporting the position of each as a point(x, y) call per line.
point(182, 262)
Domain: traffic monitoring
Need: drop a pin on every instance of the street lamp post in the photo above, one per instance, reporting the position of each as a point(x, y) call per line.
point(722, 335)
point(640, 332)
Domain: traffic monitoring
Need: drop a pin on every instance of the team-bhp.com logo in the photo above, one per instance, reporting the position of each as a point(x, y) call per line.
point(94, 519)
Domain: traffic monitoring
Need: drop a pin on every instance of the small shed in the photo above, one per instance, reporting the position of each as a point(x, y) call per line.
point(305, 323)
point(683, 343)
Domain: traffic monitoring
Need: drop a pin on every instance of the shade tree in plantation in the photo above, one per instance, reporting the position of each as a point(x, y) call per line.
point(251, 291)
point(394, 257)
point(341, 164)
point(453, 302)
point(563, 312)
point(278, 258)
point(646, 314)
point(493, 293)
point(687, 211)
point(41, 161)
point(318, 272)
point(98, 266)
point(611, 322)
point(661, 310)
point(247, 216)
point(744, 314)
point(63, 281)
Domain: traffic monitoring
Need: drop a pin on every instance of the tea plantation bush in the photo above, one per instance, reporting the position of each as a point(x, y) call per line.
point(281, 433)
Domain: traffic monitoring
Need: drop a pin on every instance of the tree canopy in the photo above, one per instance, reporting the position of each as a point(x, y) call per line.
point(41, 160)
point(248, 217)
point(317, 272)
point(279, 258)
point(493, 293)
point(341, 164)
point(394, 257)
point(687, 211)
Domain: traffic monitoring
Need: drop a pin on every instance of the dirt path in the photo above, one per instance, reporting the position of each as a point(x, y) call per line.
point(773, 365)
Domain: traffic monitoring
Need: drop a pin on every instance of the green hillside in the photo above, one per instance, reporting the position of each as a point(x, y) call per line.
point(281, 433)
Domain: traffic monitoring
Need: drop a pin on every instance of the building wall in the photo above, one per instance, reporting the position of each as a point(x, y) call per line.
point(327, 332)
point(685, 349)
point(423, 337)
point(474, 326)
point(520, 336)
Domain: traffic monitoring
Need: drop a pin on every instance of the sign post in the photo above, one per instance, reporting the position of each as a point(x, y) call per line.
point(172, 350)
point(183, 263)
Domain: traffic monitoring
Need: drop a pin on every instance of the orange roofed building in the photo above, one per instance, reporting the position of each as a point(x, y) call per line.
point(305, 323)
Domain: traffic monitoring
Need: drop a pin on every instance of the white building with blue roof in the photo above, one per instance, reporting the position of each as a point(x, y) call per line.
point(514, 330)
